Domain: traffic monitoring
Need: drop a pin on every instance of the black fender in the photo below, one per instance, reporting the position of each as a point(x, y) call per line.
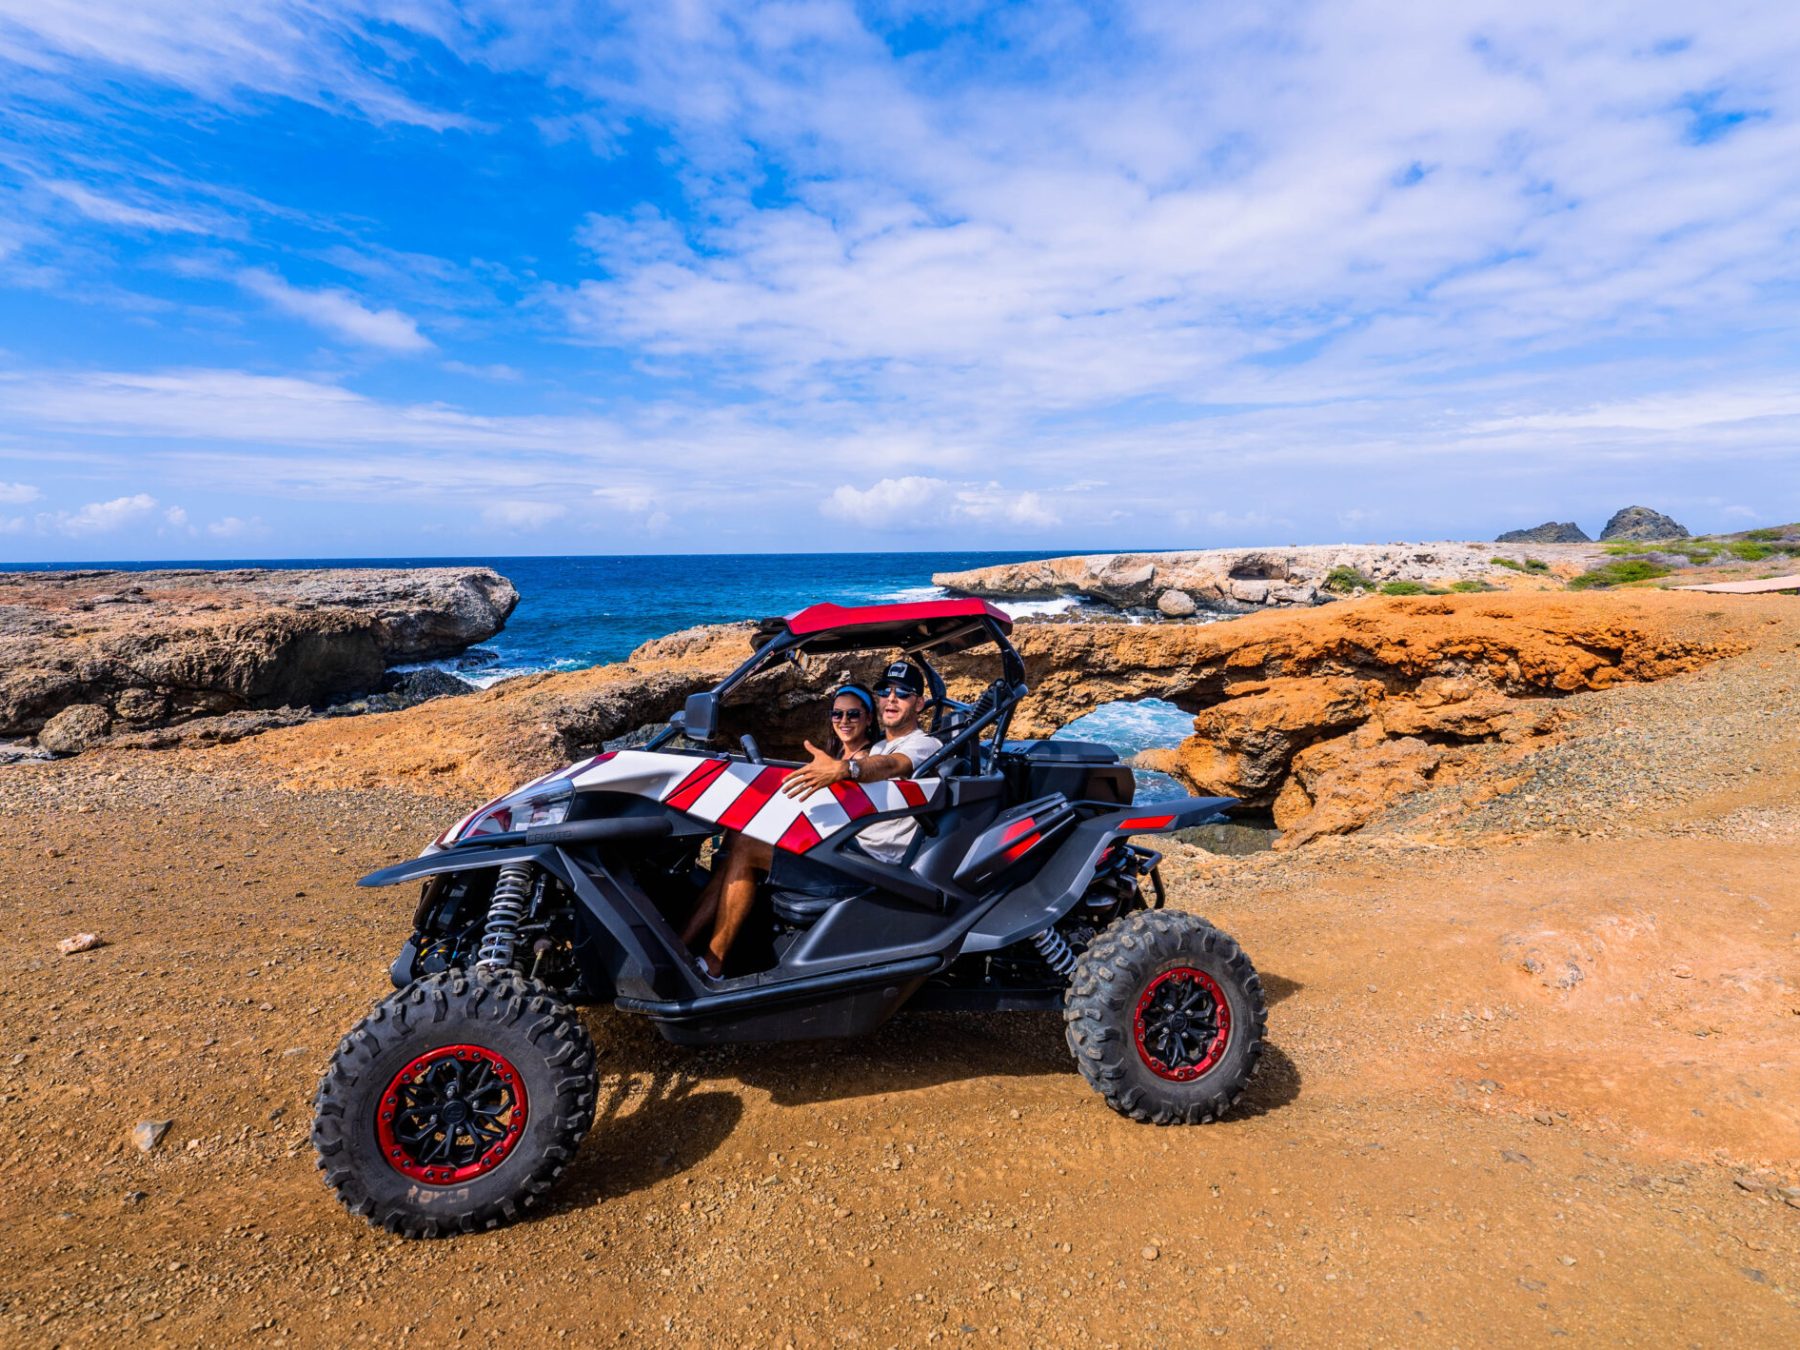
point(1055, 890)
point(636, 959)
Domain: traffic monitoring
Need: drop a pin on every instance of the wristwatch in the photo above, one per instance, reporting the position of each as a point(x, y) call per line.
point(856, 771)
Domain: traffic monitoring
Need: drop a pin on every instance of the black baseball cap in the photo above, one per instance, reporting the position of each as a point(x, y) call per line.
point(903, 675)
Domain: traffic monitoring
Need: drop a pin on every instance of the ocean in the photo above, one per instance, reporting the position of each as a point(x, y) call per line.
point(582, 611)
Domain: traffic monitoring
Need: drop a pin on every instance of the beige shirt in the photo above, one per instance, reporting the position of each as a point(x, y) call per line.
point(886, 840)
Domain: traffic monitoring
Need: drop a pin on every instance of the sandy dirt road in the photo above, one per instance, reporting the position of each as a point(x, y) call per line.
point(1453, 1141)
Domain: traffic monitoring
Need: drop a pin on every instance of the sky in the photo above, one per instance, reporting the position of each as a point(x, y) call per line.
point(313, 278)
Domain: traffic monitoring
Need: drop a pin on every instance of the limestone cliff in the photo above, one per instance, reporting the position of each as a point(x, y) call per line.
point(1240, 580)
point(84, 654)
point(1325, 715)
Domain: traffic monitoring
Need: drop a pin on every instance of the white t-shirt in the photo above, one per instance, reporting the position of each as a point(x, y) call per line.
point(886, 840)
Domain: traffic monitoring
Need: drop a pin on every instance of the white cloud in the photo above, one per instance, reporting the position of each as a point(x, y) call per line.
point(234, 527)
point(176, 516)
point(17, 494)
point(890, 504)
point(315, 53)
point(109, 211)
point(497, 371)
point(915, 502)
point(105, 517)
point(338, 311)
point(523, 515)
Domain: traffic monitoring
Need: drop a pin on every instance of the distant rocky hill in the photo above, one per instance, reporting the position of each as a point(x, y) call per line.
point(1550, 532)
point(1630, 524)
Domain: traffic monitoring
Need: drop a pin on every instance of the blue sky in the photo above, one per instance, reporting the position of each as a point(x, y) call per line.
point(309, 278)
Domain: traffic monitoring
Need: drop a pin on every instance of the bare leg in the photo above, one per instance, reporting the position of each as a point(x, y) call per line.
point(708, 904)
point(738, 896)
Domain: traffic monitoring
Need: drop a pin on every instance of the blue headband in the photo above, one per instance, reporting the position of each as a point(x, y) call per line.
point(857, 694)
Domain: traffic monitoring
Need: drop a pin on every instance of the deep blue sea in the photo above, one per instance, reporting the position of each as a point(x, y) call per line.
point(582, 611)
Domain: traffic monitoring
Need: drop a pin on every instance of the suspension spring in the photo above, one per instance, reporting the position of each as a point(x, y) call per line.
point(506, 911)
point(1055, 951)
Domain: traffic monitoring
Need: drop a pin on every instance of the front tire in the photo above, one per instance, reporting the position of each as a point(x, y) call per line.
point(455, 1104)
point(1165, 1016)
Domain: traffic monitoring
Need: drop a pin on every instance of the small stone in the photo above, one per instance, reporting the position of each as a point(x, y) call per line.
point(147, 1134)
point(1488, 1085)
point(1566, 1260)
point(81, 942)
point(1682, 972)
point(1514, 1156)
point(1150, 1253)
point(136, 1197)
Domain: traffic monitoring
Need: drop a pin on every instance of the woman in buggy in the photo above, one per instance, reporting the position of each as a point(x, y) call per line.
point(740, 859)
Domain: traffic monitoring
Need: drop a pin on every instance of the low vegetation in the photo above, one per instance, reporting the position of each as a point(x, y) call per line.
point(1537, 565)
point(1407, 588)
point(1621, 573)
point(1344, 580)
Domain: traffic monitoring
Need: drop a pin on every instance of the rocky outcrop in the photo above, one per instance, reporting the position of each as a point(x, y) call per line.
point(1323, 715)
point(91, 653)
point(1550, 532)
point(1217, 581)
point(1638, 523)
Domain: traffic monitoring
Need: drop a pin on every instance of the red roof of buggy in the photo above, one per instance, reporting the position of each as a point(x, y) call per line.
point(943, 625)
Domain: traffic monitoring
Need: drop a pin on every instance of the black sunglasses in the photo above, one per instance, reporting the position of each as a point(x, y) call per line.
point(847, 714)
point(903, 690)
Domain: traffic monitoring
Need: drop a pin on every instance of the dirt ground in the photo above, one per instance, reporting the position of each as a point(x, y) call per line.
point(1517, 1087)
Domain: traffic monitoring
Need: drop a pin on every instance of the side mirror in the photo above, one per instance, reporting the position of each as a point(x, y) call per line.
point(700, 716)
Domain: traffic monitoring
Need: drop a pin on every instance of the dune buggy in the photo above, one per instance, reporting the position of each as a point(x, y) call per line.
point(458, 1101)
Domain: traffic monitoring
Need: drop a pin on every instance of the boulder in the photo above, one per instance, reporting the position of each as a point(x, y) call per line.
point(1635, 523)
point(1175, 604)
point(1550, 532)
point(74, 729)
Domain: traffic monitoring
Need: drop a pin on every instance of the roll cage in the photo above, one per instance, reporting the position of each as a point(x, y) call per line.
point(919, 631)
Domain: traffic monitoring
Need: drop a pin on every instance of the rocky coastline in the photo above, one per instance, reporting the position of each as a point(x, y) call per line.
point(1228, 581)
point(87, 656)
point(1528, 945)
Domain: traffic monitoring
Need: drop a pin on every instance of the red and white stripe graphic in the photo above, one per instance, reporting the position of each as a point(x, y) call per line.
point(748, 797)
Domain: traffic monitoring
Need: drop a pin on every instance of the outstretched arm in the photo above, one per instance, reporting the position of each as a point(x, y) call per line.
point(826, 770)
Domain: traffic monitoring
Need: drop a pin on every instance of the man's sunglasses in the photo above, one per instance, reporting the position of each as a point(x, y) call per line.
point(847, 714)
point(896, 691)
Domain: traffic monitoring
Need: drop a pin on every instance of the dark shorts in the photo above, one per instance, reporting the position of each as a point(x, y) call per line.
point(791, 872)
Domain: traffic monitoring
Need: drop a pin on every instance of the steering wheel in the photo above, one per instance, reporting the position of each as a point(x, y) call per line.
point(751, 753)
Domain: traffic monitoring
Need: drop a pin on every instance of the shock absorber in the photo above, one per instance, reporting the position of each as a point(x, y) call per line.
point(1055, 951)
point(506, 911)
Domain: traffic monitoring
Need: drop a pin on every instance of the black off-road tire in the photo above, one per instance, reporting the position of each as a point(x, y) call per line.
point(1126, 965)
point(507, 1016)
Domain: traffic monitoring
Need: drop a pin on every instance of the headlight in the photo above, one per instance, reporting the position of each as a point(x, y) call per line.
point(547, 805)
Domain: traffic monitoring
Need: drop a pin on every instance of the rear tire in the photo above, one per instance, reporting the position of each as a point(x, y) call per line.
point(455, 1104)
point(1165, 1017)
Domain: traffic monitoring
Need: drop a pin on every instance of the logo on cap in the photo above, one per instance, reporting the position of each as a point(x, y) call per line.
point(905, 676)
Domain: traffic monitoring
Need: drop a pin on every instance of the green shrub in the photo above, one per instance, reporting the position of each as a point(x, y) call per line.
point(1536, 565)
point(1529, 565)
point(1764, 536)
point(1469, 586)
point(1621, 573)
point(1750, 550)
point(1507, 563)
point(1404, 588)
point(1343, 580)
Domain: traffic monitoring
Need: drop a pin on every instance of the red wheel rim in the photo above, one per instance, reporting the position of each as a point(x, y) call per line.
point(1182, 1024)
point(452, 1114)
